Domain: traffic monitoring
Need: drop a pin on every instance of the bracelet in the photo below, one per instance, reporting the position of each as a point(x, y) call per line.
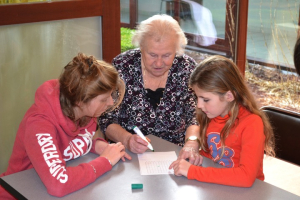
point(193, 138)
point(109, 161)
point(94, 169)
point(189, 149)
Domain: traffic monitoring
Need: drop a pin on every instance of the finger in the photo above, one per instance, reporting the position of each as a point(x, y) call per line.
point(140, 148)
point(141, 141)
point(148, 139)
point(119, 144)
point(172, 165)
point(197, 160)
point(192, 159)
point(127, 156)
point(201, 160)
point(176, 170)
point(137, 144)
point(183, 155)
point(121, 147)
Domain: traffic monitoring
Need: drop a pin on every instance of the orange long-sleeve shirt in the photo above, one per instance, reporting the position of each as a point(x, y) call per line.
point(244, 150)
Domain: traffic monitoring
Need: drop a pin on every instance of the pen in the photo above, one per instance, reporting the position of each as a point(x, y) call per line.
point(139, 133)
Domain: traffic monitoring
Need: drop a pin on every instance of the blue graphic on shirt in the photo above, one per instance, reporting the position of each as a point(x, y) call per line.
point(215, 147)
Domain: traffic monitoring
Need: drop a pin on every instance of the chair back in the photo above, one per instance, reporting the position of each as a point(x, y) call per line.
point(286, 127)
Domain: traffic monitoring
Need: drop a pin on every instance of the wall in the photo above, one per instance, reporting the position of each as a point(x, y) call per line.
point(31, 54)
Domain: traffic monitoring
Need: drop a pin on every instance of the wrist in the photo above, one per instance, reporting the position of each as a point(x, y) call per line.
point(189, 149)
point(126, 141)
point(100, 146)
point(109, 161)
point(193, 138)
point(192, 141)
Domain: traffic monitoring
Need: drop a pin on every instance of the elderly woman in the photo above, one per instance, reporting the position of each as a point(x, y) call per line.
point(158, 99)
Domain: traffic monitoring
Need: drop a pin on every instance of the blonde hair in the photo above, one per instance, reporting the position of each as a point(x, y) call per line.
point(83, 79)
point(219, 75)
point(159, 27)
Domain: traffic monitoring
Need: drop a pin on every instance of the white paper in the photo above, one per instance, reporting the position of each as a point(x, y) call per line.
point(153, 163)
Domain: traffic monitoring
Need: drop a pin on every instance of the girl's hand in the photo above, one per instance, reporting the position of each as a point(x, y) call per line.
point(181, 167)
point(114, 152)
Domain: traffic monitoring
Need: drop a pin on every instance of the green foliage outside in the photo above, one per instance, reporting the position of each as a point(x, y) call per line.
point(126, 35)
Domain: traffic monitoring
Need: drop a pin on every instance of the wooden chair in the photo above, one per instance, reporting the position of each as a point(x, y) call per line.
point(286, 125)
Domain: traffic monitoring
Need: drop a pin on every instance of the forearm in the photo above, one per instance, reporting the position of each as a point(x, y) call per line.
point(99, 133)
point(190, 149)
point(116, 133)
point(193, 130)
point(240, 176)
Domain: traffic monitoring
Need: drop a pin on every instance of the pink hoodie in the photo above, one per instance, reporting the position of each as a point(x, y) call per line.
point(46, 139)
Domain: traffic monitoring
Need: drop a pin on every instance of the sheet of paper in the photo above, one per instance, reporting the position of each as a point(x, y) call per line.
point(153, 163)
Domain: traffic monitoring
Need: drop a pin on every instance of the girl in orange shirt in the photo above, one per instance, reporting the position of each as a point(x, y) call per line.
point(234, 132)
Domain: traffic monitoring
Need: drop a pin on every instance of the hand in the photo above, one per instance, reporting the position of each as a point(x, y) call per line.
point(191, 152)
point(115, 152)
point(181, 167)
point(136, 144)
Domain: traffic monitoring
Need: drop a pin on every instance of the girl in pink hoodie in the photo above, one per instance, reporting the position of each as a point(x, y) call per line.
point(61, 125)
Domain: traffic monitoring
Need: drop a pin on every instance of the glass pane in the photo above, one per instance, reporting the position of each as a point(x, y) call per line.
point(125, 11)
point(203, 18)
point(218, 11)
point(31, 54)
point(148, 8)
point(272, 33)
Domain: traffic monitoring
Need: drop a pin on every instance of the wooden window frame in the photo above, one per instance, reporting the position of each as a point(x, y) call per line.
point(108, 10)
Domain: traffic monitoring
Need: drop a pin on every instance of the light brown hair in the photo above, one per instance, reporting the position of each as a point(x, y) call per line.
point(219, 75)
point(83, 79)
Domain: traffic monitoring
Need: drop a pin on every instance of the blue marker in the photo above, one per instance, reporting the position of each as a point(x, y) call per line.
point(139, 133)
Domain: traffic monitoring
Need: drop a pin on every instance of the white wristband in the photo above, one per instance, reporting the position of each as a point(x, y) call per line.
point(94, 169)
point(109, 161)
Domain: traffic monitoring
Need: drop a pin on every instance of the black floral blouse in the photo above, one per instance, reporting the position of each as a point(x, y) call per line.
point(172, 116)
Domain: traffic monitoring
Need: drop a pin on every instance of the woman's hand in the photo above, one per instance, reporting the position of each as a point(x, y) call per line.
point(190, 151)
point(181, 167)
point(136, 144)
point(115, 152)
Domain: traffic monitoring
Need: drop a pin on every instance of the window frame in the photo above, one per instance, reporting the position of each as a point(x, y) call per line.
point(109, 11)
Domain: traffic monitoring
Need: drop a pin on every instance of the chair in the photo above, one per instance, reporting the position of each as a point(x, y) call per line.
point(286, 126)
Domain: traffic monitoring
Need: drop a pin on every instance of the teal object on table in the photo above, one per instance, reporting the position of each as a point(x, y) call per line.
point(137, 186)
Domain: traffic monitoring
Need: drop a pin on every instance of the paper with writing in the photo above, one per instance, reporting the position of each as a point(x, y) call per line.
point(153, 163)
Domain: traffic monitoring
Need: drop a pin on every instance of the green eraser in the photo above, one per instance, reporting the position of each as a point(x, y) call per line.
point(137, 186)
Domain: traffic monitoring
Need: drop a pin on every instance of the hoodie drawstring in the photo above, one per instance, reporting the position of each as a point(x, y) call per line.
point(89, 137)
